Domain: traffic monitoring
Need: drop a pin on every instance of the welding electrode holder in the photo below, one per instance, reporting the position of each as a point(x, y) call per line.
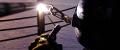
point(47, 41)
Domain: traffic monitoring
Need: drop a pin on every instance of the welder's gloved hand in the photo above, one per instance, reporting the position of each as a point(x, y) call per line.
point(42, 43)
point(39, 43)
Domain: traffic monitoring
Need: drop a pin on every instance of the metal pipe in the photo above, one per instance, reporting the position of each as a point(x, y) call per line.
point(41, 23)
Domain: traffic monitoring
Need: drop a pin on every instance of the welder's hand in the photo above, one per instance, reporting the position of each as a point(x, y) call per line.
point(40, 42)
point(43, 43)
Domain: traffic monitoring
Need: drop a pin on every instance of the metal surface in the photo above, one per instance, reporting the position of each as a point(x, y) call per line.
point(40, 22)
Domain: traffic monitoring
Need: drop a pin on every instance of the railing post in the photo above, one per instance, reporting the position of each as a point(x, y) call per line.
point(40, 21)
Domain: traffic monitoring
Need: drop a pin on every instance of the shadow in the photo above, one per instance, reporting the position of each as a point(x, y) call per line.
point(13, 8)
point(28, 35)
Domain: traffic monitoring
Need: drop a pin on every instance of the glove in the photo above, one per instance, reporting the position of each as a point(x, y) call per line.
point(42, 43)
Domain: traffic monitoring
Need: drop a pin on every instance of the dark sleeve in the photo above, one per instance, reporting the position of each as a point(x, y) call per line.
point(75, 20)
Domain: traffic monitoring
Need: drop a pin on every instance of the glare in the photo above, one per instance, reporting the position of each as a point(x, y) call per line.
point(42, 8)
point(80, 12)
point(42, 38)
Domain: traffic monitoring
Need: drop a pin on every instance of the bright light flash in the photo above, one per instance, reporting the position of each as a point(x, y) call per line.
point(42, 8)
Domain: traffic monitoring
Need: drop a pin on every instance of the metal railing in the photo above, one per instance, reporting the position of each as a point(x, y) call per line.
point(28, 26)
